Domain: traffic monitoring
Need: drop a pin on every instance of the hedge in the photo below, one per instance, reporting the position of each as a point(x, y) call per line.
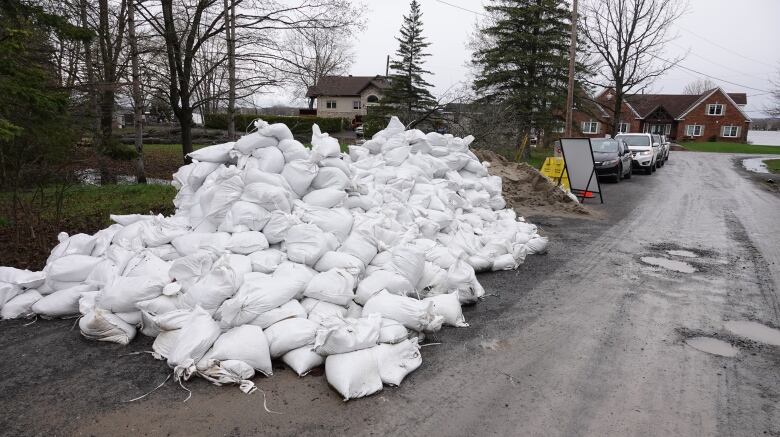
point(299, 125)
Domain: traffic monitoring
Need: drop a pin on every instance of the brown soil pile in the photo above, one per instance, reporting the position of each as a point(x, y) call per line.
point(526, 190)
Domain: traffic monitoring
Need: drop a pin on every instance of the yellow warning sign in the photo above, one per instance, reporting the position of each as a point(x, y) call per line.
point(555, 170)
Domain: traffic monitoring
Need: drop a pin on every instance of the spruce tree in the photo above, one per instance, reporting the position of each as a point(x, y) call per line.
point(522, 63)
point(407, 94)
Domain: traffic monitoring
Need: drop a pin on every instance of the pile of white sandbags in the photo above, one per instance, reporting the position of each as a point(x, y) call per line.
point(280, 252)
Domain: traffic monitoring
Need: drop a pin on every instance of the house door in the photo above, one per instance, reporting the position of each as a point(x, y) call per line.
point(660, 129)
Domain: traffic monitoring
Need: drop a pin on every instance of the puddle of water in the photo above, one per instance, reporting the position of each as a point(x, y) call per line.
point(755, 165)
point(712, 346)
point(677, 266)
point(91, 176)
point(682, 253)
point(754, 331)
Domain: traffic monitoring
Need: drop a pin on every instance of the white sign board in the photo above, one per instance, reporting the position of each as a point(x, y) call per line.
point(578, 155)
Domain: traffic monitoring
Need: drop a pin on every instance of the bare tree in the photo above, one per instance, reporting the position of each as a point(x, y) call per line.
point(699, 87)
point(315, 53)
point(774, 109)
point(629, 38)
point(136, 93)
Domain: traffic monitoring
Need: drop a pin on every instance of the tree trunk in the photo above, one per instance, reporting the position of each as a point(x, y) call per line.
point(616, 112)
point(140, 174)
point(94, 109)
point(185, 120)
point(230, 30)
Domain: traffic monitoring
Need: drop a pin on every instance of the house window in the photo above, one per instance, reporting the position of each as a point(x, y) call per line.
point(372, 99)
point(356, 104)
point(624, 127)
point(330, 104)
point(694, 130)
point(715, 109)
point(590, 127)
point(730, 131)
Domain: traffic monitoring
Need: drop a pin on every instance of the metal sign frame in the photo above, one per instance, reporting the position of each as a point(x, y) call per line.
point(581, 192)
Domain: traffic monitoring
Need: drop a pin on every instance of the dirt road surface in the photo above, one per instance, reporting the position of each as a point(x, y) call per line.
point(590, 339)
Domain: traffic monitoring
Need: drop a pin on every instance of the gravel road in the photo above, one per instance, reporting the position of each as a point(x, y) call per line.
point(592, 339)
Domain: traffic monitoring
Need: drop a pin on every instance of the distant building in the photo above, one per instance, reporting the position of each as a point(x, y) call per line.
point(714, 114)
point(346, 96)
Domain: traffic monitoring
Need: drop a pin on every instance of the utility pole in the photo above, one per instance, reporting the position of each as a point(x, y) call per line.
point(230, 33)
point(572, 57)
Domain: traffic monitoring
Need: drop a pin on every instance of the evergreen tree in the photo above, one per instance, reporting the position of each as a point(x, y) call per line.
point(522, 63)
point(407, 94)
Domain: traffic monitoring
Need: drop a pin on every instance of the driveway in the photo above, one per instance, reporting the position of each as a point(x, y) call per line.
point(590, 339)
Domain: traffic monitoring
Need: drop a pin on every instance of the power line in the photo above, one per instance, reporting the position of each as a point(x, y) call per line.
point(461, 8)
point(727, 49)
point(742, 73)
point(708, 75)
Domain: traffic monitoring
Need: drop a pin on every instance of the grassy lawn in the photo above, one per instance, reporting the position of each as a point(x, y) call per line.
point(773, 165)
point(722, 147)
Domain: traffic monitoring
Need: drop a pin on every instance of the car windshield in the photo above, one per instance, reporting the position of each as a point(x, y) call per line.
point(604, 145)
point(641, 141)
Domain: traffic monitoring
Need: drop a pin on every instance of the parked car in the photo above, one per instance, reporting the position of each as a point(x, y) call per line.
point(644, 151)
point(664, 151)
point(359, 131)
point(668, 145)
point(612, 158)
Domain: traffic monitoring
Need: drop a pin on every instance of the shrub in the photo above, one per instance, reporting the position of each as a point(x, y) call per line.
point(299, 125)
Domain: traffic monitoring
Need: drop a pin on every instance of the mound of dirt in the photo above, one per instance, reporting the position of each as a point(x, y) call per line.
point(527, 191)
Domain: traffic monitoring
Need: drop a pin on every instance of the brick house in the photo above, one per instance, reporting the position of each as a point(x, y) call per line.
point(346, 96)
point(713, 115)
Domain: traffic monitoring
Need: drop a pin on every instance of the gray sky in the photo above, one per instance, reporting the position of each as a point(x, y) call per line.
point(734, 40)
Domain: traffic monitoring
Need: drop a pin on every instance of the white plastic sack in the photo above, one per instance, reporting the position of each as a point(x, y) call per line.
point(247, 242)
point(303, 360)
point(396, 361)
point(71, 268)
point(20, 306)
point(101, 325)
point(289, 310)
point(335, 286)
point(219, 153)
point(412, 313)
point(290, 334)
point(342, 336)
point(62, 303)
point(354, 374)
point(448, 306)
point(266, 261)
point(195, 338)
point(246, 343)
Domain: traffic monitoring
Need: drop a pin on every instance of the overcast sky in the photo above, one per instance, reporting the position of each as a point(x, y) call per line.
point(736, 41)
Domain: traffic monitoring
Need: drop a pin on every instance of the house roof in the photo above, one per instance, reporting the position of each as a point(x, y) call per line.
point(677, 105)
point(337, 86)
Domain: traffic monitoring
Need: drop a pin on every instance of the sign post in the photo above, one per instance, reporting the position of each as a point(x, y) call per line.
point(580, 167)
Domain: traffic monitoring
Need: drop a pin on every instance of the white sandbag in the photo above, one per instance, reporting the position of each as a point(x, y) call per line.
point(278, 226)
point(22, 278)
point(323, 145)
point(461, 277)
point(409, 261)
point(338, 260)
point(195, 338)
point(267, 196)
point(62, 303)
point(337, 221)
point(248, 143)
point(354, 374)
point(87, 302)
point(342, 336)
point(335, 286)
point(299, 174)
point(152, 308)
point(246, 343)
point(360, 244)
point(247, 242)
point(330, 177)
point(164, 343)
point(219, 153)
point(188, 269)
point(191, 243)
point(289, 310)
point(293, 150)
point(448, 306)
point(305, 244)
point(148, 265)
point(396, 361)
point(280, 131)
point(289, 334)
point(380, 280)
point(228, 372)
point(298, 274)
point(266, 261)
point(325, 197)
point(504, 262)
point(101, 325)
point(303, 360)
point(200, 171)
point(245, 216)
point(162, 231)
point(536, 245)
point(123, 293)
point(412, 313)
point(20, 306)
point(433, 280)
point(79, 244)
point(71, 268)
point(133, 318)
point(256, 297)
point(318, 311)
point(166, 252)
point(212, 289)
point(392, 332)
point(8, 292)
point(218, 198)
point(173, 320)
point(269, 159)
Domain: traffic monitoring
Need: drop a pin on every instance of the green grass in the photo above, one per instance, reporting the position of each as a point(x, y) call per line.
point(773, 165)
point(95, 203)
point(723, 147)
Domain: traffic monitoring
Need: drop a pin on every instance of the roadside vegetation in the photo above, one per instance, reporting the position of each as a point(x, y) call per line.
point(722, 147)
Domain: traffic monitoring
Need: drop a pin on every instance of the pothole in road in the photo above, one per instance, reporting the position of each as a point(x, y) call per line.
point(669, 264)
point(682, 253)
point(754, 331)
point(712, 346)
